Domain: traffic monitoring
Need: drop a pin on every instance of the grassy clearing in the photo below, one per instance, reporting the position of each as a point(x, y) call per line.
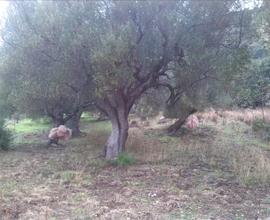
point(29, 131)
point(28, 125)
point(232, 147)
point(217, 171)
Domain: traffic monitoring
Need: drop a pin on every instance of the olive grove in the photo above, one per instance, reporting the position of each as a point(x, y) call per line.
point(61, 57)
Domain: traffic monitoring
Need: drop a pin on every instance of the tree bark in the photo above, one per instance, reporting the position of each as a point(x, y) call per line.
point(118, 137)
point(74, 124)
point(180, 122)
point(112, 145)
point(117, 108)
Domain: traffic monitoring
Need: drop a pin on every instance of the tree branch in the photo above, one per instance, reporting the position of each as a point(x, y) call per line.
point(178, 94)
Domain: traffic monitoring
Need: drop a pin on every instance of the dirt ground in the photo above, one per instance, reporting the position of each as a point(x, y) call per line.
point(71, 183)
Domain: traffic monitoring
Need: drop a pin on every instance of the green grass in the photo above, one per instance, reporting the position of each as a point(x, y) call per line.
point(31, 127)
point(86, 117)
point(242, 134)
point(28, 125)
point(68, 176)
point(89, 125)
point(124, 159)
point(7, 187)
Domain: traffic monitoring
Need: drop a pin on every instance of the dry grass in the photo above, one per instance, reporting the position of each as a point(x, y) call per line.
point(217, 171)
point(251, 165)
point(226, 147)
point(209, 115)
point(147, 148)
point(244, 115)
point(247, 115)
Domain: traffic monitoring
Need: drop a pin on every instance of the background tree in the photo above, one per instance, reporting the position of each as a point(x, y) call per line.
point(46, 59)
point(250, 88)
point(214, 49)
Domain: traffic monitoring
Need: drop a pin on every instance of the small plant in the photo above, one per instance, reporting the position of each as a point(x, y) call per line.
point(68, 176)
point(262, 128)
point(5, 136)
point(124, 159)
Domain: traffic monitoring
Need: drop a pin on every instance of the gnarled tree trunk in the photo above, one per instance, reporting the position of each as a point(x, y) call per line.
point(117, 140)
point(180, 122)
point(117, 109)
point(74, 124)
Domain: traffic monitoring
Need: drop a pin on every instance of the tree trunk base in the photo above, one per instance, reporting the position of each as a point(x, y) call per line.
point(117, 140)
point(74, 125)
point(174, 128)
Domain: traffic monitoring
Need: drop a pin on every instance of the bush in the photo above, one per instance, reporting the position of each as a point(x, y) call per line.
point(262, 128)
point(124, 159)
point(5, 136)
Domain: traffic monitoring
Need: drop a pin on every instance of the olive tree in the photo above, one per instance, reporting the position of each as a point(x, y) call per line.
point(157, 44)
point(46, 59)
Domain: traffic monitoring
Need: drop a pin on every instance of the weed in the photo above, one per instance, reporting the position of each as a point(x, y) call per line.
point(68, 176)
point(124, 159)
point(7, 187)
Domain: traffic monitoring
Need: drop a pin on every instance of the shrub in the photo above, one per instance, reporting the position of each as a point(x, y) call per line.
point(5, 136)
point(124, 159)
point(262, 128)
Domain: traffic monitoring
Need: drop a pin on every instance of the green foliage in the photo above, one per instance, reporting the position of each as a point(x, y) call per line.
point(124, 159)
point(97, 48)
point(262, 128)
point(47, 74)
point(5, 136)
point(253, 88)
point(208, 68)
